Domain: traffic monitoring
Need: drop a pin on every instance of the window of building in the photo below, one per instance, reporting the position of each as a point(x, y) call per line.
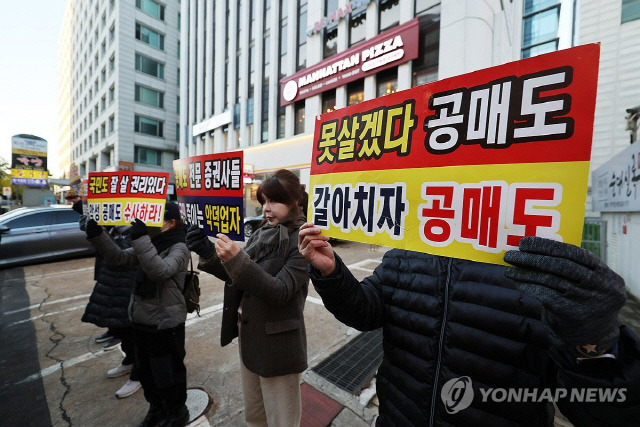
point(149, 66)
point(148, 126)
point(425, 66)
point(147, 156)
point(103, 130)
point(265, 110)
point(389, 11)
point(149, 96)
point(149, 36)
point(112, 33)
point(112, 93)
point(630, 10)
point(301, 51)
point(283, 43)
point(112, 123)
point(151, 7)
point(299, 117)
point(330, 46)
point(281, 123)
point(112, 63)
point(540, 27)
point(355, 92)
point(387, 82)
point(357, 25)
point(328, 101)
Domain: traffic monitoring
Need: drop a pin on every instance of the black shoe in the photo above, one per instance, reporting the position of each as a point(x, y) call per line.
point(176, 418)
point(155, 415)
point(113, 343)
point(104, 337)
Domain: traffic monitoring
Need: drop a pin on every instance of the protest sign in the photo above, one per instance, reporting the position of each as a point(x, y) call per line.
point(462, 167)
point(117, 198)
point(210, 192)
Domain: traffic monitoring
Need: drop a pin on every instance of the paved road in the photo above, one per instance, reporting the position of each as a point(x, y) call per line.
point(53, 373)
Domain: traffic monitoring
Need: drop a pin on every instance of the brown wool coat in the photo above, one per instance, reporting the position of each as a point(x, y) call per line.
point(272, 293)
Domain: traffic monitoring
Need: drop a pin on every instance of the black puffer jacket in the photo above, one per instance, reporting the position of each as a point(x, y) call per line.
point(446, 318)
point(109, 301)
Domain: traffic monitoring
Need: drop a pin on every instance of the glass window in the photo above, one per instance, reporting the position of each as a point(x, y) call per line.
point(151, 7)
point(302, 35)
point(328, 101)
point(537, 5)
point(425, 66)
point(540, 27)
point(33, 220)
point(355, 92)
point(424, 5)
point(148, 126)
point(389, 13)
point(149, 36)
point(330, 46)
point(300, 117)
point(357, 27)
point(387, 82)
point(630, 10)
point(149, 66)
point(147, 156)
point(66, 216)
point(149, 96)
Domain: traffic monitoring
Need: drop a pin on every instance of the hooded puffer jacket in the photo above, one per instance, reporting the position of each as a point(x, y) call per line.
point(451, 326)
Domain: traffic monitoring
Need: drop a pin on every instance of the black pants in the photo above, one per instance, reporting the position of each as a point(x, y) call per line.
point(160, 365)
point(128, 348)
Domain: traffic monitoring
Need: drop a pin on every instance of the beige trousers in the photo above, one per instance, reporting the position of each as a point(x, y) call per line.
point(272, 402)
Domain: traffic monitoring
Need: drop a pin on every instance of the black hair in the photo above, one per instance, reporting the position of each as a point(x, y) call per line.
point(284, 187)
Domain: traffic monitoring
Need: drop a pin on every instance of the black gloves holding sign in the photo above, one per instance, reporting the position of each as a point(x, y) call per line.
point(580, 295)
point(199, 243)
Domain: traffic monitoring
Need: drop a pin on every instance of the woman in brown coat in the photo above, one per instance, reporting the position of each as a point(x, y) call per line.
point(265, 290)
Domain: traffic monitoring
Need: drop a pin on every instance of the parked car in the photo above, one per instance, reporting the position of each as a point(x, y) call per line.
point(36, 234)
point(251, 224)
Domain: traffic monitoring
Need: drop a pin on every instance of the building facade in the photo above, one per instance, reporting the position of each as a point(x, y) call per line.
point(616, 26)
point(256, 73)
point(121, 80)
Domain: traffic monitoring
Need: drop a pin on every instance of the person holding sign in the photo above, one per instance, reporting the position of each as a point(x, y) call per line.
point(157, 309)
point(469, 343)
point(265, 290)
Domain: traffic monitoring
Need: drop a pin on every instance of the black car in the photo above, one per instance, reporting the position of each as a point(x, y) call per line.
point(251, 224)
point(36, 234)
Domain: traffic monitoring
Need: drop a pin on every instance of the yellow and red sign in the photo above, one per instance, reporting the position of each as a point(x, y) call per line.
point(117, 198)
point(210, 192)
point(462, 167)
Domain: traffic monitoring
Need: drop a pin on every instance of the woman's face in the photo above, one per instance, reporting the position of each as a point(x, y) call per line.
point(274, 212)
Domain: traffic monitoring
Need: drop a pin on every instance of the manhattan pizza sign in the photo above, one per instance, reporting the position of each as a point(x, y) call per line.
point(462, 167)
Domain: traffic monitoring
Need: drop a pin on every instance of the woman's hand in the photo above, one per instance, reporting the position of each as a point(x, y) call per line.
point(226, 248)
point(316, 248)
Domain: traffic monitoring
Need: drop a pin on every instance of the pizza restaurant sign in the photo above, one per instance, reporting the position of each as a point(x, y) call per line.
point(388, 49)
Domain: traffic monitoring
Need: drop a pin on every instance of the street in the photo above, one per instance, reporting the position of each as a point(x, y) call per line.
point(53, 373)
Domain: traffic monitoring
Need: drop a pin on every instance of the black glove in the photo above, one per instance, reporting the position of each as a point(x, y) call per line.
point(82, 222)
point(92, 229)
point(138, 229)
point(580, 295)
point(199, 243)
point(77, 206)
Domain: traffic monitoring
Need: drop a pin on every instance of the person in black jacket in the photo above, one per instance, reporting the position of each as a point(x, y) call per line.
point(108, 305)
point(472, 344)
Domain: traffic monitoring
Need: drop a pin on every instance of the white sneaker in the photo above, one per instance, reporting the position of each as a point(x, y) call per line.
point(128, 389)
point(119, 370)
